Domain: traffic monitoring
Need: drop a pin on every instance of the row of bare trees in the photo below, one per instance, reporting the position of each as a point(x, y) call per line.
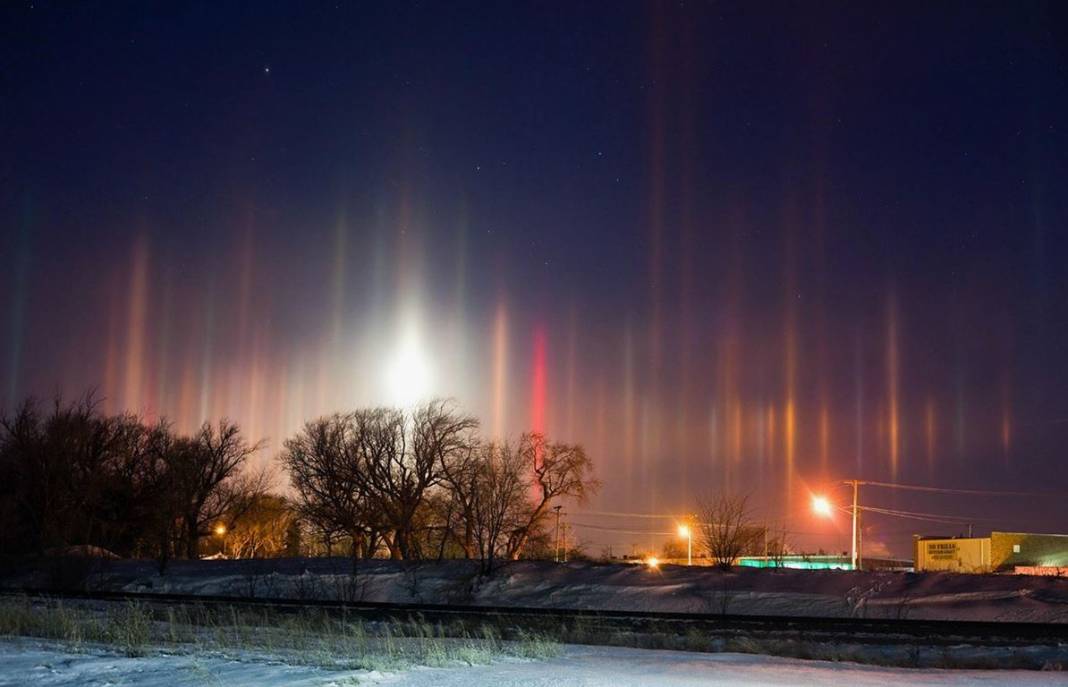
point(71, 475)
point(410, 485)
point(424, 484)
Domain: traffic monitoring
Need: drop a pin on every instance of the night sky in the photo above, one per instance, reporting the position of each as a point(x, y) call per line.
point(742, 246)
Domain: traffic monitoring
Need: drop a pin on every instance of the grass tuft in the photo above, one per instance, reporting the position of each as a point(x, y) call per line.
point(309, 637)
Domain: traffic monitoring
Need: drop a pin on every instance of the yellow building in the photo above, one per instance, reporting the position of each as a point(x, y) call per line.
point(957, 554)
point(1001, 551)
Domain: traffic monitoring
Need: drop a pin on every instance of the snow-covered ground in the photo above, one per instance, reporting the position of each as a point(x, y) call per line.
point(605, 587)
point(29, 662)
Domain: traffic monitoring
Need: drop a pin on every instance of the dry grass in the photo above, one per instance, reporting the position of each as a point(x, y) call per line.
point(306, 637)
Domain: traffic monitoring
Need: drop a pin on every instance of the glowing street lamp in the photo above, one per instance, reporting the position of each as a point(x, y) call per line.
point(653, 562)
point(220, 530)
point(684, 531)
point(822, 507)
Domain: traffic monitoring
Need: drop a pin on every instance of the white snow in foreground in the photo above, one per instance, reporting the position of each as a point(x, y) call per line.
point(29, 662)
point(619, 667)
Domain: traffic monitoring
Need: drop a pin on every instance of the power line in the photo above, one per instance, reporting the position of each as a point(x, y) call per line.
point(619, 529)
point(622, 530)
point(946, 490)
point(945, 519)
point(616, 514)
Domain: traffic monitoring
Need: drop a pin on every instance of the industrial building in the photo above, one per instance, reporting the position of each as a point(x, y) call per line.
point(822, 562)
point(1033, 554)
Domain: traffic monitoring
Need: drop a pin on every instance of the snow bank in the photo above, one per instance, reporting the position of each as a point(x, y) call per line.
point(624, 587)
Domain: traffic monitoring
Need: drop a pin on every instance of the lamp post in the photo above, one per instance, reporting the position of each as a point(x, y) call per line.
point(823, 507)
point(684, 531)
point(854, 557)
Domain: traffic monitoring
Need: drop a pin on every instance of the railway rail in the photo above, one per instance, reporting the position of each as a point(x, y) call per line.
point(809, 629)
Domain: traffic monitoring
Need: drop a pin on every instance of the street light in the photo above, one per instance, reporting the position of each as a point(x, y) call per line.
point(653, 562)
point(822, 507)
point(684, 531)
point(220, 530)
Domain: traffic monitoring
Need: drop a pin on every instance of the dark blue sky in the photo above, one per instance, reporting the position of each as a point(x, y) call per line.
point(703, 223)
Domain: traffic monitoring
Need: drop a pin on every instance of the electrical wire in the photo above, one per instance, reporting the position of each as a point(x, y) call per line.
point(946, 490)
point(616, 514)
point(929, 517)
point(604, 528)
point(618, 529)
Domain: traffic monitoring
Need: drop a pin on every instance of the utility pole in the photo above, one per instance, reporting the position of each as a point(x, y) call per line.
point(765, 543)
point(556, 555)
point(856, 488)
point(689, 546)
point(860, 540)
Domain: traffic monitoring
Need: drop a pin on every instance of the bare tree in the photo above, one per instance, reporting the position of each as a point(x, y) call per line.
point(724, 527)
point(557, 471)
point(778, 546)
point(456, 507)
point(424, 479)
point(262, 530)
point(499, 500)
point(404, 456)
point(209, 481)
point(326, 465)
point(73, 476)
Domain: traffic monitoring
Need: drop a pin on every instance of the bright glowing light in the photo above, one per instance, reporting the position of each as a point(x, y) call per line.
point(220, 529)
point(408, 374)
point(653, 562)
point(684, 531)
point(821, 506)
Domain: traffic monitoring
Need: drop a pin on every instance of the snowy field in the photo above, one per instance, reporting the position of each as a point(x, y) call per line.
point(827, 593)
point(31, 662)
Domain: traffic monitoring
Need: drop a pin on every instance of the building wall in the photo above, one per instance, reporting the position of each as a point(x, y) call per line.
point(957, 554)
point(1010, 549)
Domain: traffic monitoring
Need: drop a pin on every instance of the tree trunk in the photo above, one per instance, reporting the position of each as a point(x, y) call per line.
point(394, 549)
point(355, 554)
point(469, 539)
point(192, 541)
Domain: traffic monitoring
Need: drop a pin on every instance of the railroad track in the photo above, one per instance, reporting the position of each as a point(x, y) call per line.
point(561, 622)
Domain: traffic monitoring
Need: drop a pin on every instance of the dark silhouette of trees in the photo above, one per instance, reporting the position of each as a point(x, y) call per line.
point(325, 462)
point(73, 476)
point(370, 472)
point(405, 455)
point(725, 528)
point(500, 501)
point(417, 484)
point(557, 471)
point(424, 480)
point(208, 480)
